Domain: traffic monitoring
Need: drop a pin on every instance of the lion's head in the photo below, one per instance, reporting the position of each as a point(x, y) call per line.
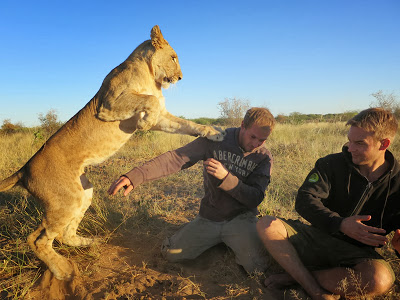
point(151, 66)
point(164, 61)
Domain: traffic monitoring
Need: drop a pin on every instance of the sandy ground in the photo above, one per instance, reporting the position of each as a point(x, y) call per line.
point(130, 266)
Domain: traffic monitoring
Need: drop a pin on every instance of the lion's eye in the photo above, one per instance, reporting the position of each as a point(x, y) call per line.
point(174, 59)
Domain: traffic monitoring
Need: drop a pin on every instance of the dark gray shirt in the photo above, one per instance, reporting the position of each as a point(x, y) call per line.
point(241, 191)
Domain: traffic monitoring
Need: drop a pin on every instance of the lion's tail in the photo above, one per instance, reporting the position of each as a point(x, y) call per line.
point(11, 181)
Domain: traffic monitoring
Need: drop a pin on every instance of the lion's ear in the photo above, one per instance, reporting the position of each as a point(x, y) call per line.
point(157, 39)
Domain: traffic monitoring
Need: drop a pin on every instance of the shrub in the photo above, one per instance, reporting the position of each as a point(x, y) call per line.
point(9, 128)
point(233, 111)
point(49, 124)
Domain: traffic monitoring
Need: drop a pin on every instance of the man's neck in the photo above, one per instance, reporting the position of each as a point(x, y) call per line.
point(374, 171)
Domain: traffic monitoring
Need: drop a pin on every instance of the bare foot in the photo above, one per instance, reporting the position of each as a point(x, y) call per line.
point(279, 281)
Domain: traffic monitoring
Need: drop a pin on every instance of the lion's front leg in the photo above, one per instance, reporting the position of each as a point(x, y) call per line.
point(148, 118)
point(169, 123)
point(128, 105)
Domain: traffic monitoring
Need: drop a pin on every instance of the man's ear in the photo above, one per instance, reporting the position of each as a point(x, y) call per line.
point(384, 144)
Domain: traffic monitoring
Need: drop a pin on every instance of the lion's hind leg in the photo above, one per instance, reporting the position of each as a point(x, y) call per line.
point(41, 242)
point(69, 236)
point(62, 217)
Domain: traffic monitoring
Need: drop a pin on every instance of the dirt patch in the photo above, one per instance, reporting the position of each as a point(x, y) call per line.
point(52, 288)
point(130, 266)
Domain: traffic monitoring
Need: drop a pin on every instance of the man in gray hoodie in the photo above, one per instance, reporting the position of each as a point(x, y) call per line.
point(352, 200)
point(236, 174)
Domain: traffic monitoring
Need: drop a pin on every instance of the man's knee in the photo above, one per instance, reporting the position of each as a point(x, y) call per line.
point(269, 226)
point(251, 254)
point(264, 223)
point(170, 254)
point(383, 278)
point(174, 251)
point(378, 276)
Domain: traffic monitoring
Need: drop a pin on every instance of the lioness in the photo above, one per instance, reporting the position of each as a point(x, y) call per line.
point(130, 98)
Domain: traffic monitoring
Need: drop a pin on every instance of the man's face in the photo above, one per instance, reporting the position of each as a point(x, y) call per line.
point(252, 137)
point(364, 148)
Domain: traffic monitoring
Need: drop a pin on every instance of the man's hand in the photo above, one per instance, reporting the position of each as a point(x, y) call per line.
point(354, 228)
point(122, 182)
point(396, 240)
point(215, 168)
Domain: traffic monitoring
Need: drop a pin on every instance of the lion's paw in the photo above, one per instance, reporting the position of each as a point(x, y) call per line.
point(143, 125)
point(64, 269)
point(147, 120)
point(215, 134)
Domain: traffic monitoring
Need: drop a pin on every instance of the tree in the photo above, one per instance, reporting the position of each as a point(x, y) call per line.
point(387, 101)
point(232, 111)
point(281, 118)
point(49, 123)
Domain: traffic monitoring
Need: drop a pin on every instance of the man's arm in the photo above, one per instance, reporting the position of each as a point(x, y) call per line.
point(316, 187)
point(251, 193)
point(161, 166)
point(309, 204)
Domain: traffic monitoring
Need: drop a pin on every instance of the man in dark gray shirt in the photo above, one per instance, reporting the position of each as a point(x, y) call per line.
point(236, 174)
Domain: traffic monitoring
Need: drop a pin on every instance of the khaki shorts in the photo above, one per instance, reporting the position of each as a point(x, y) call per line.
point(318, 250)
point(239, 234)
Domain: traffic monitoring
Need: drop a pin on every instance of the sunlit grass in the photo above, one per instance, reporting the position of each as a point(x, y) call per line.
point(295, 149)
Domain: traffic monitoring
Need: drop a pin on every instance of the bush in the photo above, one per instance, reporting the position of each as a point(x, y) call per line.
point(387, 101)
point(233, 111)
point(9, 128)
point(49, 124)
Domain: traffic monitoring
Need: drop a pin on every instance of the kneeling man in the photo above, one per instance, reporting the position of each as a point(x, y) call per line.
point(236, 174)
point(352, 200)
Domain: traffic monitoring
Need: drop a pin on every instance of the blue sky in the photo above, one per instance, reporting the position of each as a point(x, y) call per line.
point(291, 56)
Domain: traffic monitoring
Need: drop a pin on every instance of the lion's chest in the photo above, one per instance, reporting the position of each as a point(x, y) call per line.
point(110, 145)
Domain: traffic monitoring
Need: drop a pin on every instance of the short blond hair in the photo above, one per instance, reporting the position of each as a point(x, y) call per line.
point(260, 116)
point(377, 120)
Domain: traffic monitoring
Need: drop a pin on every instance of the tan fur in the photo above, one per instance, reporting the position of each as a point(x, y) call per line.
point(130, 98)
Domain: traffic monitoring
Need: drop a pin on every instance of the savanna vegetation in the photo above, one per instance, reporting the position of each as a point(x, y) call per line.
point(126, 262)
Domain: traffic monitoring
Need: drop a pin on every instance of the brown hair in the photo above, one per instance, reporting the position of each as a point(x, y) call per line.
point(377, 120)
point(260, 116)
